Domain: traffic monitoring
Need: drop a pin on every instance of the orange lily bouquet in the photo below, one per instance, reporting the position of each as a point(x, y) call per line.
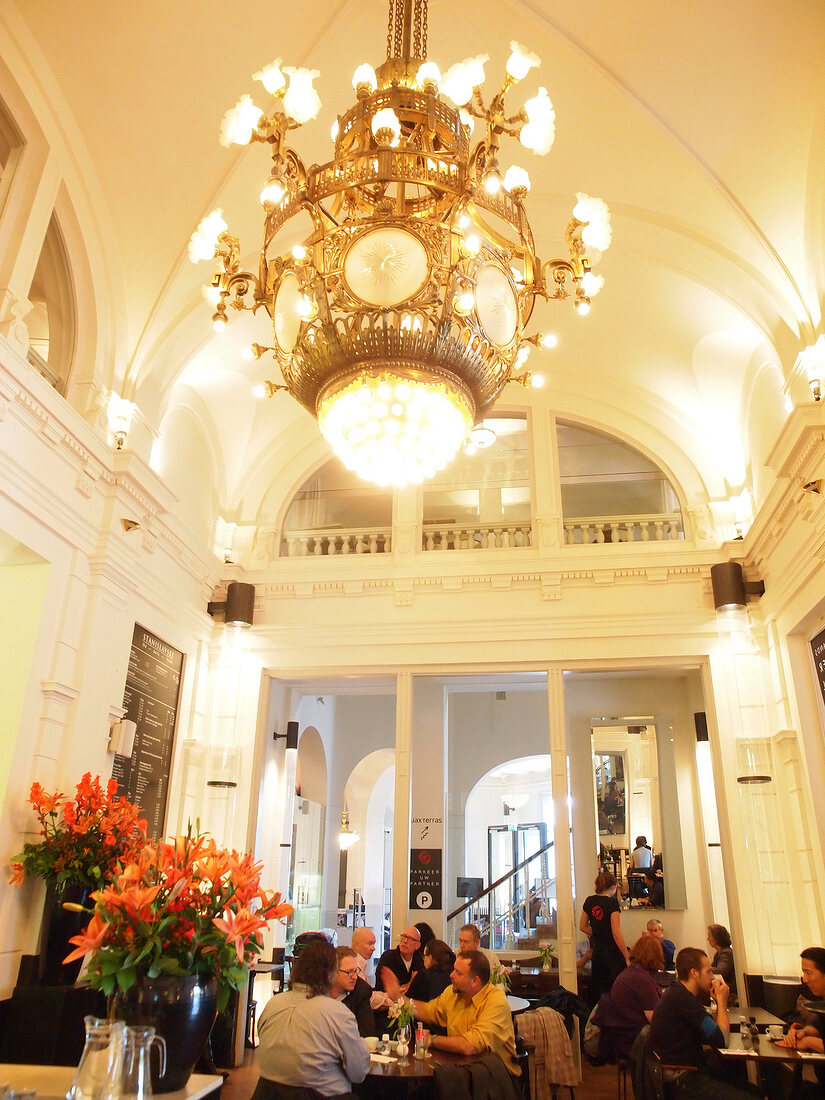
point(85, 839)
point(179, 908)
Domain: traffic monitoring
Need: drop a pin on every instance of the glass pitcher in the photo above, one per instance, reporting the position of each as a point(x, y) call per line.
point(137, 1077)
point(100, 1070)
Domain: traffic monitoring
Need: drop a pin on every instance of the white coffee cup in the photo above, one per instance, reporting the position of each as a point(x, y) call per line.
point(776, 1031)
point(372, 1042)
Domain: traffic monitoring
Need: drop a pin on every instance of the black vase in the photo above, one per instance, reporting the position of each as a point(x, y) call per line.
point(59, 925)
point(182, 1011)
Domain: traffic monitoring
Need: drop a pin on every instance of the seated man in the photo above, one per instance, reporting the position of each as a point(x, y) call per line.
point(681, 1027)
point(353, 991)
point(363, 943)
point(476, 1014)
point(469, 939)
point(402, 962)
point(307, 1039)
point(656, 929)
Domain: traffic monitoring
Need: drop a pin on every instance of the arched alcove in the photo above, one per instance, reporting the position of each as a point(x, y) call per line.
point(369, 796)
point(308, 827)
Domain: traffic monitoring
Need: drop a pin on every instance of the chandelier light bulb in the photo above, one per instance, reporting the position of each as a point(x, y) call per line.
point(218, 322)
point(521, 61)
point(271, 77)
point(301, 102)
point(386, 127)
point(548, 340)
point(522, 355)
point(334, 130)
point(536, 381)
point(428, 75)
point(481, 436)
point(259, 391)
point(472, 244)
point(492, 182)
point(306, 308)
point(516, 180)
point(597, 233)
point(460, 79)
point(212, 294)
point(240, 122)
point(204, 241)
point(592, 283)
point(247, 353)
point(272, 192)
point(364, 81)
point(582, 305)
point(465, 301)
point(540, 129)
point(467, 120)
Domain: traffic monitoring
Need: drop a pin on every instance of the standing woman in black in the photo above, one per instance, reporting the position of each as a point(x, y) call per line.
point(600, 920)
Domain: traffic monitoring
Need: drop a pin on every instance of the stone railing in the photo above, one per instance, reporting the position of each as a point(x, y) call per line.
point(613, 529)
point(479, 536)
point(365, 540)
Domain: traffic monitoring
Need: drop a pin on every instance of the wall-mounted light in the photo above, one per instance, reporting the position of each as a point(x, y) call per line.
point(119, 414)
point(122, 737)
point(239, 605)
point(812, 358)
point(348, 836)
point(291, 735)
point(730, 589)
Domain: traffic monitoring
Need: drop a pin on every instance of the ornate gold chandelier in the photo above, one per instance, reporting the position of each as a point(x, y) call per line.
point(401, 318)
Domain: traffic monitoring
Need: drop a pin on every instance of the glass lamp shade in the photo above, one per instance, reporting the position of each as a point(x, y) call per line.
point(496, 304)
point(287, 312)
point(392, 429)
point(385, 267)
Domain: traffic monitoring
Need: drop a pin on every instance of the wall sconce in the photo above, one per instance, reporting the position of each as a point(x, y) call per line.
point(238, 607)
point(812, 358)
point(291, 735)
point(119, 413)
point(122, 737)
point(348, 836)
point(730, 589)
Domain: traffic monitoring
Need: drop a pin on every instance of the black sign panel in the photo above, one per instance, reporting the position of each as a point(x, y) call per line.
point(818, 650)
point(151, 701)
point(425, 878)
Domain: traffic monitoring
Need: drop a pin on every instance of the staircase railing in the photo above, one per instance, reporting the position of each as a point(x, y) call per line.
point(501, 922)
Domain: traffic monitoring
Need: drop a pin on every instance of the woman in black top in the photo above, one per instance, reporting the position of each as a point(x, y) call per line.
point(722, 961)
point(439, 960)
point(600, 921)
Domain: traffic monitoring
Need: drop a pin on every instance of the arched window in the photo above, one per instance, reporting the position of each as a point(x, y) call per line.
point(51, 321)
point(482, 499)
point(335, 512)
point(611, 492)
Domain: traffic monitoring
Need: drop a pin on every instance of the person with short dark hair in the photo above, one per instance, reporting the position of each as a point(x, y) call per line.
point(352, 991)
point(476, 1015)
point(681, 1027)
point(439, 960)
point(469, 939)
point(810, 1036)
point(600, 920)
point(307, 1038)
point(655, 890)
point(642, 854)
point(629, 1005)
point(722, 961)
point(425, 931)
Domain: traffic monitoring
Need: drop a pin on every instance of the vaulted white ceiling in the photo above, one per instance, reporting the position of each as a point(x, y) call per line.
point(702, 125)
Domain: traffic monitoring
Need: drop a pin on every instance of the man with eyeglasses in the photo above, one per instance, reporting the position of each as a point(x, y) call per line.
point(353, 991)
point(403, 961)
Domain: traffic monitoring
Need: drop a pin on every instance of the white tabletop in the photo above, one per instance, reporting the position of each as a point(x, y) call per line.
point(54, 1081)
point(517, 1004)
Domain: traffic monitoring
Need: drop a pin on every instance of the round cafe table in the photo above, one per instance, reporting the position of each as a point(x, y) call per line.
point(400, 1077)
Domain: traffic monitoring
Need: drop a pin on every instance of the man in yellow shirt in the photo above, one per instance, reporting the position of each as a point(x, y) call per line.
point(476, 1014)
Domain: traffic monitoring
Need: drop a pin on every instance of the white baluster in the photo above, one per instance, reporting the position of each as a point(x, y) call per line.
point(345, 546)
point(430, 543)
point(316, 550)
point(659, 526)
point(373, 544)
point(387, 544)
point(332, 545)
point(599, 533)
point(505, 538)
point(360, 544)
point(645, 526)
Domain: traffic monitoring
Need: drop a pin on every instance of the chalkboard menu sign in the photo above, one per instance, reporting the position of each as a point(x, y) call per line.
point(818, 651)
point(151, 702)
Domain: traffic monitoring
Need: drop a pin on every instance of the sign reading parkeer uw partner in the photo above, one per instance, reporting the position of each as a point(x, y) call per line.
point(425, 878)
point(151, 702)
point(818, 652)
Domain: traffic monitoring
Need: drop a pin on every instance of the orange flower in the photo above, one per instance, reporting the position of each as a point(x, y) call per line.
point(238, 927)
point(90, 940)
point(18, 873)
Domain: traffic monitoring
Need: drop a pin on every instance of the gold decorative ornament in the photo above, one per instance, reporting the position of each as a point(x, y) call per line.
point(402, 316)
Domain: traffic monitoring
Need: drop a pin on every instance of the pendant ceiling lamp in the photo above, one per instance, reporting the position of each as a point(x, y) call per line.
point(400, 319)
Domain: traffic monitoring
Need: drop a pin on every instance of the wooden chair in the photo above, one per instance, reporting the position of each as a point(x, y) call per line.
point(523, 1059)
point(624, 1073)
